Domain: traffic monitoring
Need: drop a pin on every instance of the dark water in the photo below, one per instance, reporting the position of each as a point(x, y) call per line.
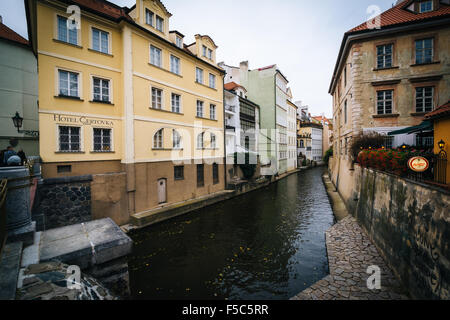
point(268, 244)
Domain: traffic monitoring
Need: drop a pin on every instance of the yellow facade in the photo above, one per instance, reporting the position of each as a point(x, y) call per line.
point(442, 132)
point(129, 117)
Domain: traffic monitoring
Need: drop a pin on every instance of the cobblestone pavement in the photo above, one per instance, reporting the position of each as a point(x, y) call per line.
point(350, 253)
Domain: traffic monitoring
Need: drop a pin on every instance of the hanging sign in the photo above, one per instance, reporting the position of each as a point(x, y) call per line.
point(418, 164)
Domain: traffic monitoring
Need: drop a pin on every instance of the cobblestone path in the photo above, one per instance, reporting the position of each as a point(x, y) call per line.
point(350, 253)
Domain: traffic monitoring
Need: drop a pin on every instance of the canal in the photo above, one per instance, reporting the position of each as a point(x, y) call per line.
point(268, 244)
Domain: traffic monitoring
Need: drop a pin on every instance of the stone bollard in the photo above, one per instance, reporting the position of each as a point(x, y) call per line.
point(17, 204)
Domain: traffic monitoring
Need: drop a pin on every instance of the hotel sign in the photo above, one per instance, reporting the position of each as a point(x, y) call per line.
point(418, 164)
point(82, 120)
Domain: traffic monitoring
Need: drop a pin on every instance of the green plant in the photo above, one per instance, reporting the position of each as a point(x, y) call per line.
point(328, 155)
point(365, 141)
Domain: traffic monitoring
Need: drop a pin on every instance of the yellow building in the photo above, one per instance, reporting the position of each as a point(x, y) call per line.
point(121, 95)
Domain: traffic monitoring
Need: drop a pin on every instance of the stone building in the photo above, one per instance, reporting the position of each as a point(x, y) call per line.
point(389, 73)
point(123, 99)
point(18, 92)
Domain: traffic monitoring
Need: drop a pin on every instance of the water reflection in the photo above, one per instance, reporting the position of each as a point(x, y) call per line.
point(268, 244)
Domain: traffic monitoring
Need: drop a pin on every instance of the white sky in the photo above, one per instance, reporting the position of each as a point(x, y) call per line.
point(302, 37)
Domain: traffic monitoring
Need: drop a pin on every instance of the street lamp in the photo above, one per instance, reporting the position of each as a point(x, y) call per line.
point(18, 122)
point(441, 144)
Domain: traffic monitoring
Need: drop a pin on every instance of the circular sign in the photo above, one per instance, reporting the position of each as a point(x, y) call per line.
point(418, 164)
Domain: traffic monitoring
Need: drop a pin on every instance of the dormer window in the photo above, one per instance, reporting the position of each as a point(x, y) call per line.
point(159, 23)
point(209, 54)
point(426, 6)
point(204, 50)
point(179, 42)
point(149, 17)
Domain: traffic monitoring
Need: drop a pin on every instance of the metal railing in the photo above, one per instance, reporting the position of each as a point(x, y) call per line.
point(3, 233)
point(436, 173)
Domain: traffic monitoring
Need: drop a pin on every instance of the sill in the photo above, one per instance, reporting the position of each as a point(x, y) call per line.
point(206, 119)
point(102, 102)
point(70, 152)
point(425, 64)
point(204, 85)
point(392, 115)
point(168, 71)
point(180, 179)
point(418, 114)
point(103, 53)
point(166, 111)
point(387, 68)
point(164, 149)
point(69, 97)
point(102, 152)
point(67, 43)
point(208, 149)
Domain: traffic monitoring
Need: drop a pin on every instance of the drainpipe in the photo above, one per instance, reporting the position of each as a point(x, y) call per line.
point(224, 132)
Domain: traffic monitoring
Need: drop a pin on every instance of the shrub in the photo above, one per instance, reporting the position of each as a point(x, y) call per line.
point(328, 154)
point(367, 141)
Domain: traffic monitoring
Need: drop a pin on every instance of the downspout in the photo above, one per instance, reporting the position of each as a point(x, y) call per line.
point(224, 131)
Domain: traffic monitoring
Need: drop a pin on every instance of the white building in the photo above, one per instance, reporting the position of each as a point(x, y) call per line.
point(291, 133)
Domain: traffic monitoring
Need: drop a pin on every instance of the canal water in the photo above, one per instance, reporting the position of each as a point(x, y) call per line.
point(268, 244)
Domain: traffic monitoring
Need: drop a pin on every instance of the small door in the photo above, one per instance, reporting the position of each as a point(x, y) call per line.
point(162, 191)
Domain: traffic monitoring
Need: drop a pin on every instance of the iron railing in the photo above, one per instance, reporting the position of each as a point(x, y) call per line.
point(3, 233)
point(436, 173)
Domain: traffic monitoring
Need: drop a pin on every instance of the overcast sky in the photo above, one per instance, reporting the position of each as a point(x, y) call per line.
point(302, 37)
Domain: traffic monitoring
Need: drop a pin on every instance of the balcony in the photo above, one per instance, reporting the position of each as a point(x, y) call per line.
point(230, 109)
point(229, 125)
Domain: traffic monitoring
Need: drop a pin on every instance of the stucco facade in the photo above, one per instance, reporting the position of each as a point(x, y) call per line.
point(158, 116)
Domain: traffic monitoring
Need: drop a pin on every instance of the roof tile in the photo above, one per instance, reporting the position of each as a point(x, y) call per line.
point(8, 34)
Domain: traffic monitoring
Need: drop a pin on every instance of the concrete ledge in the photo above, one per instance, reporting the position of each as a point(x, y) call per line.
point(153, 216)
point(9, 270)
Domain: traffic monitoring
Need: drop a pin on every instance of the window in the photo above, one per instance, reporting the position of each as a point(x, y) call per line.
point(345, 111)
point(200, 140)
point(179, 42)
point(100, 40)
point(179, 172)
point(212, 81)
point(424, 99)
point(67, 32)
point(158, 139)
point(176, 139)
point(102, 140)
point(215, 168)
point(204, 50)
point(69, 139)
point(213, 141)
point(156, 98)
point(155, 56)
point(159, 23)
point(68, 83)
point(199, 109)
point(302, 144)
point(212, 112)
point(345, 76)
point(384, 101)
point(101, 90)
point(426, 6)
point(199, 75)
point(384, 56)
point(210, 54)
point(424, 51)
point(176, 103)
point(149, 17)
point(174, 65)
point(200, 175)
point(64, 169)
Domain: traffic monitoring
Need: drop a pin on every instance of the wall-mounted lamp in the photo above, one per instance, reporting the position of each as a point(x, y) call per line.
point(441, 144)
point(18, 122)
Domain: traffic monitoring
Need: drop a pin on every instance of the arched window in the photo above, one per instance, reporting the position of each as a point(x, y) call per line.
point(247, 143)
point(213, 141)
point(158, 139)
point(176, 140)
point(200, 140)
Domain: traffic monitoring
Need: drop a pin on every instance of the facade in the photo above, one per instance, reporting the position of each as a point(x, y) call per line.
point(292, 134)
point(327, 133)
point(241, 125)
point(388, 78)
point(121, 95)
point(267, 87)
point(18, 93)
point(310, 141)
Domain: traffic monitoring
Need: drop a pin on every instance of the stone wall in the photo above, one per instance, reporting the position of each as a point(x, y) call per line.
point(62, 201)
point(409, 223)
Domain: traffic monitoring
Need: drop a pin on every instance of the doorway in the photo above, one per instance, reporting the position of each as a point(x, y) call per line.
point(162, 191)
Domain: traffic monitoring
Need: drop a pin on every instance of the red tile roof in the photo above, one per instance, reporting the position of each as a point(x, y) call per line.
point(8, 34)
point(103, 7)
point(399, 14)
point(230, 86)
point(441, 112)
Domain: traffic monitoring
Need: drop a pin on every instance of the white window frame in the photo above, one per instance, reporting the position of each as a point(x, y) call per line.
point(385, 100)
point(111, 140)
point(156, 23)
point(213, 141)
point(424, 98)
point(212, 76)
point(202, 109)
point(426, 2)
point(156, 143)
point(171, 64)
point(179, 41)
point(152, 24)
point(178, 146)
point(79, 81)
point(56, 30)
point(171, 103)
point(92, 39)
point(212, 116)
point(151, 97)
point(58, 145)
point(204, 50)
point(160, 56)
point(111, 95)
point(210, 54)
point(197, 69)
point(201, 143)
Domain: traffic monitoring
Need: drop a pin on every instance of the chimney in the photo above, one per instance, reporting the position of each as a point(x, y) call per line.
point(243, 65)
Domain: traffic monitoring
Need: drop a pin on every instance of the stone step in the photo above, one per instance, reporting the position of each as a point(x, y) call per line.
point(9, 270)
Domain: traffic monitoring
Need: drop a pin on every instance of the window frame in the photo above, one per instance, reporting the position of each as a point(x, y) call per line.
point(109, 49)
point(58, 139)
point(180, 103)
point(384, 55)
point(152, 88)
point(426, 2)
point(58, 82)
point(199, 71)
point(156, 23)
point(110, 89)
point(200, 143)
point(384, 91)
point(111, 142)
point(200, 182)
point(215, 173)
point(56, 31)
point(171, 64)
point(179, 146)
point(202, 109)
point(433, 92)
point(212, 76)
point(423, 49)
point(212, 115)
point(179, 177)
point(160, 136)
point(148, 11)
point(212, 141)
point(160, 56)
